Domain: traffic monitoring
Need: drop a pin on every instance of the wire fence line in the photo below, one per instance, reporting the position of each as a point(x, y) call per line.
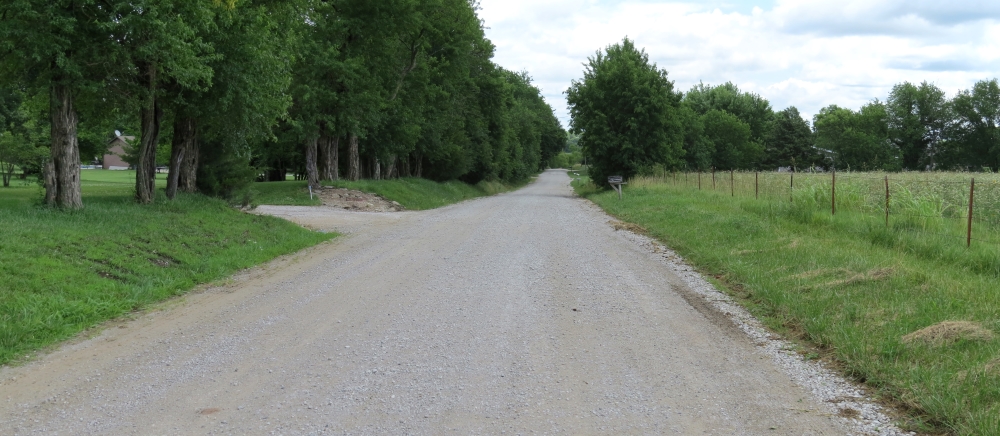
point(963, 206)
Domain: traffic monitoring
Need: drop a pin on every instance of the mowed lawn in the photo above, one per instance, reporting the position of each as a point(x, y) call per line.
point(914, 317)
point(63, 272)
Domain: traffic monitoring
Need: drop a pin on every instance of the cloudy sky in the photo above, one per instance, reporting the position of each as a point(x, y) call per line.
point(807, 54)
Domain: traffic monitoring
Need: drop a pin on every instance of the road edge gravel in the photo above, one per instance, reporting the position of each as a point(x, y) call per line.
point(841, 397)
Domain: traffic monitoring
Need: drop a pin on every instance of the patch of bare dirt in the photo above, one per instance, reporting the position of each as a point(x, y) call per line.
point(349, 199)
point(947, 332)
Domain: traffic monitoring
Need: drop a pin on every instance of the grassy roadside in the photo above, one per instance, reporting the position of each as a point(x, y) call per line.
point(864, 296)
point(423, 194)
point(412, 193)
point(288, 193)
point(63, 272)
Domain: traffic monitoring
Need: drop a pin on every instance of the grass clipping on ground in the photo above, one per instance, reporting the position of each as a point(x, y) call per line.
point(948, 332)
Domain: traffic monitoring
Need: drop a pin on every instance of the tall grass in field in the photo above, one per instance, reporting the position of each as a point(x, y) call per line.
point(63, 272)
point(907, 308)
point(936, 203)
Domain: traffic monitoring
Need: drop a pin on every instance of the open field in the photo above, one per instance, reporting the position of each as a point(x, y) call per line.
point(861, 293)
point(934, 203)
point(63, 272)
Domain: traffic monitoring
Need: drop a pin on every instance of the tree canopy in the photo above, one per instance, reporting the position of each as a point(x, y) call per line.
point(238, 90)
point(626, 112)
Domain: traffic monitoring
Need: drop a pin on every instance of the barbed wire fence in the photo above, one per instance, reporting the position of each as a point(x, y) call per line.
point(957, 206)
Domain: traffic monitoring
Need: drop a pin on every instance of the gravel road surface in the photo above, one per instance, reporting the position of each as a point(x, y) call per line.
point(520, 313)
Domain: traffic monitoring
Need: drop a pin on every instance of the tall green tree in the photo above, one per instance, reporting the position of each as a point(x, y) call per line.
point(750, 108)
point(917, 118)
point(254, 47)
point(627, 113)
point(973, 136)
point(167, 53)
point(790, 143)
point(698, 149)
point(730, 137)
point(67, 49)
point(859, 140)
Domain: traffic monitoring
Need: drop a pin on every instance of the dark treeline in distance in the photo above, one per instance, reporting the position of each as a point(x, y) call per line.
point(631, 121)
point(227, 91)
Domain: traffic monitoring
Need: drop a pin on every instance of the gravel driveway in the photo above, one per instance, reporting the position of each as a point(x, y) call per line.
point(515, 314)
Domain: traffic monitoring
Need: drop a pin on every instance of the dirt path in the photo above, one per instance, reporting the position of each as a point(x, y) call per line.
point(520, 313)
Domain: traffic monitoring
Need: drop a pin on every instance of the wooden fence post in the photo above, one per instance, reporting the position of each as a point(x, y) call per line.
point(972, 192)
point(791, 186)
point(833, 194)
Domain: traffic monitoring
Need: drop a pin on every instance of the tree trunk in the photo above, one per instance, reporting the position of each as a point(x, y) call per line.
point(322, 157)
point(49, 177)
point(335, 158)
point(187, 176)
point(328, 157)
point(419, 164)
point(145, 168)
point(8, 171)
point(404, 166)
point(353, 159)
point(311, 174)
point(184, 136)
point(376, 169)
point(62, 172)
point(390, 167)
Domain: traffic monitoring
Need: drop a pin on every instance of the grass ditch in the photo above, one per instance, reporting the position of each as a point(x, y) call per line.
point(913, 317)
point(64, 272)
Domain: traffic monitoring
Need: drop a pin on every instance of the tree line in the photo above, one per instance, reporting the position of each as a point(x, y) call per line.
point(631, 121)
point(227, 91)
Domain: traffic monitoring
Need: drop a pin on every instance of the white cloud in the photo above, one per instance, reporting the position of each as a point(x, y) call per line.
point(803, 53)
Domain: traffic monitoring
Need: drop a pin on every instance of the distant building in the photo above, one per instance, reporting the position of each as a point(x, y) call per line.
point(116, 150)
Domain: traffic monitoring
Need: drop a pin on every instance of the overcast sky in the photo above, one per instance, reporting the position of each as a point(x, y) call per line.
point(807, 54)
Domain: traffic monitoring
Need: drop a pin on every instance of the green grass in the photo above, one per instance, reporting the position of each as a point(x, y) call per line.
point(64, 272)
point(288, 193)
point(411, 193)
point(423, 194)
point(848, 286)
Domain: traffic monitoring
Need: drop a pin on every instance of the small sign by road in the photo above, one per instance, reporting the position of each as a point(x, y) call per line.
point(616, 183)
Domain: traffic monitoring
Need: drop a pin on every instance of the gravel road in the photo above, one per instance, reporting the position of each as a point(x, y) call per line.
point(515, 314)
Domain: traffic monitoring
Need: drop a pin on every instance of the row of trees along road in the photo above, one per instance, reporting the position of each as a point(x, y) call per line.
point(238, 88)
point(631, 120)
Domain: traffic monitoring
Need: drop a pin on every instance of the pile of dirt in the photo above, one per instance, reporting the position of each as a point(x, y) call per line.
point(947, 332)
point(350, 199)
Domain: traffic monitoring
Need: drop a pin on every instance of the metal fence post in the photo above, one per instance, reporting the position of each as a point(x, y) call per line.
point(756, 186)
point(713, 178)
point(732, 190)
point(699, 180)
point(791, 186)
